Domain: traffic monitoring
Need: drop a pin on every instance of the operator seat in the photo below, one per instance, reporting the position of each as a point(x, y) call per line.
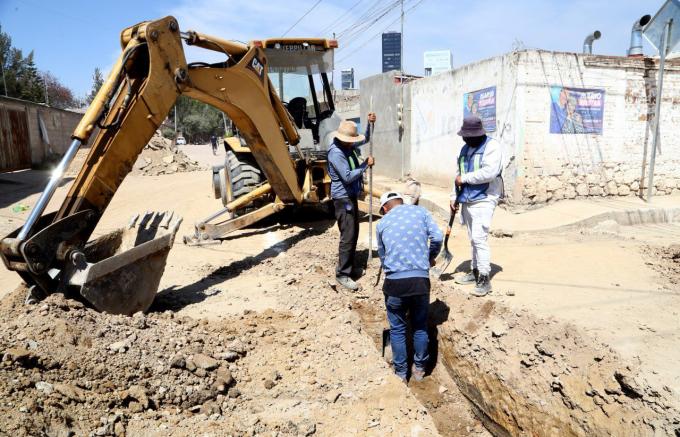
point(297, 107)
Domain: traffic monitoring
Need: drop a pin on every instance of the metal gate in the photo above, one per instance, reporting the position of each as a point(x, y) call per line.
point(15, 148)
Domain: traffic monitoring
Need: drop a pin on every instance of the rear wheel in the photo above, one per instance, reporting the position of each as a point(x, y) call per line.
point(245, 175)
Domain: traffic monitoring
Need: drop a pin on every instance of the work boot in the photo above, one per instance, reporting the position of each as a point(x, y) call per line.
point(483, 286)
point(417, 374)
point(468, 278)
point(347, 282)
point(357, 273)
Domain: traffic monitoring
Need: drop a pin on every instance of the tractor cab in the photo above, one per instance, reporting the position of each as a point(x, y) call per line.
point(298, 70)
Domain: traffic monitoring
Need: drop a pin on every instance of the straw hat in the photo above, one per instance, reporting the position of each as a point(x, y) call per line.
point(347, 132)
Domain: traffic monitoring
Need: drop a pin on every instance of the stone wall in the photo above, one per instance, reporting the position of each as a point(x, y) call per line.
point(558, 166)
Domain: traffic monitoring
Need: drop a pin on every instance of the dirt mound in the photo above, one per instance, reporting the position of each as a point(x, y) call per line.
point(665, 260)
point(160, 157)
point(66, 368)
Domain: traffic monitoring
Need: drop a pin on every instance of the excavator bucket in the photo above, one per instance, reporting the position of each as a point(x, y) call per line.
point(124, 268)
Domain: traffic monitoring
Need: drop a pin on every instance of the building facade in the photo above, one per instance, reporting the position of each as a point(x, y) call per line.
point(391, 51)
point(437, 61)
point(348, 79)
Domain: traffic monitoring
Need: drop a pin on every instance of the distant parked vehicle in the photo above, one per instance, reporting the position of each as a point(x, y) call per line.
point(180, 141)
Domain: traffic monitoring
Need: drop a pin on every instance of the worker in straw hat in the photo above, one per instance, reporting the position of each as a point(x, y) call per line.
point(346, 170)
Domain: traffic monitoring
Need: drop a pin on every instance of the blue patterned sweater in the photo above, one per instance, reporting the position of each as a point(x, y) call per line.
point(403, 236)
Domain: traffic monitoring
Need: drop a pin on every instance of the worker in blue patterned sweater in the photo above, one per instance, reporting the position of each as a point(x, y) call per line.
point(408, 242)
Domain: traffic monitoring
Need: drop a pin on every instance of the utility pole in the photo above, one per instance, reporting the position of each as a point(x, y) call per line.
point(401, 91)
point(175, 121)
point(47, 99)
point(4, 82)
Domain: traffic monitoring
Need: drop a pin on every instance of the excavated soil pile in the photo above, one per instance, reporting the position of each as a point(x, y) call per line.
point(303, 368)
point(66, 368)
point(541, 377)
point(160, 157)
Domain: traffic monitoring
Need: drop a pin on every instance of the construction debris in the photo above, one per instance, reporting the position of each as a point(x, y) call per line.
point(161, 157)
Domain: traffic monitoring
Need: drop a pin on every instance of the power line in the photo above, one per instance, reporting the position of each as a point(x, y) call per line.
point(360, 29)
point(373, 36)
point(339, 19)
point(300, 19)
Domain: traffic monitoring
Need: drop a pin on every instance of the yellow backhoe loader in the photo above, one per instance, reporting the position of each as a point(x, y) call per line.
point(120, 272)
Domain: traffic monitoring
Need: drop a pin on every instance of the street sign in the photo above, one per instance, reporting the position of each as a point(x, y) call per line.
point(654, 30)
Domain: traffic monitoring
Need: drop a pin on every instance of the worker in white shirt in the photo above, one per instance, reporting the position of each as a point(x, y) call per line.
point(478, 186)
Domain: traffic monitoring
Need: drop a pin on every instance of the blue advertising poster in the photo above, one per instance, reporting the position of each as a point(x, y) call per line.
point(576, 110)
point(483, 104)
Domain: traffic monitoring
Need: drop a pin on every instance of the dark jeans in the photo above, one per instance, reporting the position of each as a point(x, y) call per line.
point(347, 215)
point(397, 309)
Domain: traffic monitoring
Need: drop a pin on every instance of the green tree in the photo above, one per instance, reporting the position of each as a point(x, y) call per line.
point(59, 95)
point(24, 81)
point(197, 120)
point(97, 82)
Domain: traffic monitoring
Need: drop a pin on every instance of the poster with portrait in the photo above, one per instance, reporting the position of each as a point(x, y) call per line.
point(483, 104)
point(576, 110)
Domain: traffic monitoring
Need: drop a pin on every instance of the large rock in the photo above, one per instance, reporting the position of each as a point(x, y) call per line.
point(205, 362)
point(612, 189)
point(569, 192)
point(582, 189)
point(553, 184)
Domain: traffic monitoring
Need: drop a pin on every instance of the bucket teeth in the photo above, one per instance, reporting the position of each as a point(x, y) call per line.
point(125, 276)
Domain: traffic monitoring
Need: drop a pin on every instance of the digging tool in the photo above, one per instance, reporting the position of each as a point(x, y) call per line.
point(445, 256)
point(370, 192)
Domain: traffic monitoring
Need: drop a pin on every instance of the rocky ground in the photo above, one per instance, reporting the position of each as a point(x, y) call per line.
point(305, 368)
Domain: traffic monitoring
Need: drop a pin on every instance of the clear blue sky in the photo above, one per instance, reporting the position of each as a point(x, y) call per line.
point(72, 37)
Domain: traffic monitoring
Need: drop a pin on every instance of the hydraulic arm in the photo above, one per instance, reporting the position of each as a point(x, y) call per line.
point(51, 252)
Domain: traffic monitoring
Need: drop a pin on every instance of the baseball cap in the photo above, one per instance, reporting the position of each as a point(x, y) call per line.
point(390, 195)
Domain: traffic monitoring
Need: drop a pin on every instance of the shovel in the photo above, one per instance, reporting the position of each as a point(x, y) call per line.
point(445, 256)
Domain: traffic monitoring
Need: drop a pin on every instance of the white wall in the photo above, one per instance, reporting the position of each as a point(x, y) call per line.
point(437, 114)
point(544, 166)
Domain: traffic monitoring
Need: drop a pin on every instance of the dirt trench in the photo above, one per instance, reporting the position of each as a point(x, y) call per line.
point(528, 376)
point(310, 364)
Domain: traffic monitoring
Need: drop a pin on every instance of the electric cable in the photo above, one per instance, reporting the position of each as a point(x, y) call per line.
point(303, 16)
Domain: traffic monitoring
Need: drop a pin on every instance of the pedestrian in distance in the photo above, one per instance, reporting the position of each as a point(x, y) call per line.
point(408, 243)
point(213, 143)
point(477, 188)
point(346, 170)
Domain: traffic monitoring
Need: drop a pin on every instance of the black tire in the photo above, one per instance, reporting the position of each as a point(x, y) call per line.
point(245, 174)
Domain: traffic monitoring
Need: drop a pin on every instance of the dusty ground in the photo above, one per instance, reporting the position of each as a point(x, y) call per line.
point(310, 360)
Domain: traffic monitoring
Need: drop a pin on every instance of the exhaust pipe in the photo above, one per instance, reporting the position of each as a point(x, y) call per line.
point(635, 49)
point(588, 42)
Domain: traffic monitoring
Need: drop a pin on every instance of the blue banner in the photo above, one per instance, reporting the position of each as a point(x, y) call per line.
point(576, 110)
point(482, 103)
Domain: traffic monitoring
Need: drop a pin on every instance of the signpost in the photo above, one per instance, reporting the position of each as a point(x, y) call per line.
point(660, 33)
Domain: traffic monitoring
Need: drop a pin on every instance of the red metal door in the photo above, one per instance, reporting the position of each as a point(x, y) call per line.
point(15, 149)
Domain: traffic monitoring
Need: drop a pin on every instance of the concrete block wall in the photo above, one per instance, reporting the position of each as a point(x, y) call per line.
point(542, 167)
point(437, 114)
point(58, 123)
point(387, 141)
